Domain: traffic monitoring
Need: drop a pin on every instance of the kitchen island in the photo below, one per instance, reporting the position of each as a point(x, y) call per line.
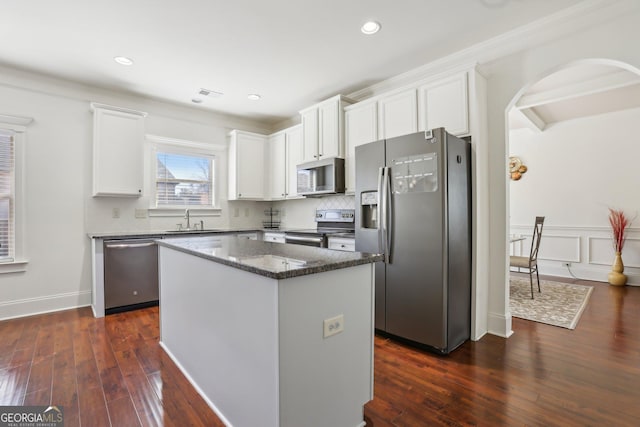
point(270, 334)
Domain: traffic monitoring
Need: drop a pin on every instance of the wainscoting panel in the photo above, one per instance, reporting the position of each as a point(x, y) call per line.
point(552, 247)
point(587, 249)
point(560, 248)
point(601, 251)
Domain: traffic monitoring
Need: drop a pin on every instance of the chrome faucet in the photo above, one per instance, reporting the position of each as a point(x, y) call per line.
point(186, 215)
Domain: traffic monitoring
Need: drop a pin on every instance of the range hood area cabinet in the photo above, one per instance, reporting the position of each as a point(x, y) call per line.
point(247, 165)
point(284, 154)
point(323, 129)
point(118, 151)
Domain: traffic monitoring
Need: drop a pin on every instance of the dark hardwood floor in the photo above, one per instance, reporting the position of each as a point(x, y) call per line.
point(112, 371)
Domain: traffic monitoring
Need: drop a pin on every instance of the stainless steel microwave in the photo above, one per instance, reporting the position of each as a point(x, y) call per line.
point(321, 177)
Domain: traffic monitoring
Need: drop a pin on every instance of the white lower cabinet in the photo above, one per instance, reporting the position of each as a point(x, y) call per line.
point(248, 236)
point(272, 236)
point(342, 244)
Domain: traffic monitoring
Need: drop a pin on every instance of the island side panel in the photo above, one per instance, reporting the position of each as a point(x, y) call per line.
point(220, 325)
point(326, 381)
point(97, 267)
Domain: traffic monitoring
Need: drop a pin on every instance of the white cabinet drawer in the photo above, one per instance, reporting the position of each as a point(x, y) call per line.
point(273, 237)
point(342, 244)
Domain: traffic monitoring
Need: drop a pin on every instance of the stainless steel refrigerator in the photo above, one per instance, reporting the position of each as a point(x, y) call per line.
point(413, 203)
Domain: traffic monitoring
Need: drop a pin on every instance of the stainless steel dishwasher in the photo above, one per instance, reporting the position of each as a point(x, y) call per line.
point(130, 274)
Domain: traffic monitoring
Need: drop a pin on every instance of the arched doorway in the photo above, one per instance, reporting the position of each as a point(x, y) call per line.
point(580, 108)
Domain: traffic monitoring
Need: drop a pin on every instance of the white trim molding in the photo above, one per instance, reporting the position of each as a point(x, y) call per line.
point(45, 304)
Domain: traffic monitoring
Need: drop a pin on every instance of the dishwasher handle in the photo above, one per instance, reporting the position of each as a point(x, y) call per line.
point(128, 245)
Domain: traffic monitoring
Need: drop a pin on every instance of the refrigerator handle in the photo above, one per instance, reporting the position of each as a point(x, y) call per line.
point(388, 215)
point(381, 216)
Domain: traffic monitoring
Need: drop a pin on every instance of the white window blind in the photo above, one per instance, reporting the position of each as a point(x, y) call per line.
point(7, 196)
point(184, 180)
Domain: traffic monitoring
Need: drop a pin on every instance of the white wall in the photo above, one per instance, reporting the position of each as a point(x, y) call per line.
point(59, 208)
point(577, 170)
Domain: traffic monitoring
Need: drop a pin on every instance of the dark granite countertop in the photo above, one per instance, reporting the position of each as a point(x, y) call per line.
point(166, 233)
point(274, 260)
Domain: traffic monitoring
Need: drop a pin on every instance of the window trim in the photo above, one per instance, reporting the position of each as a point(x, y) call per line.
point(18, 125)
point(181, 146)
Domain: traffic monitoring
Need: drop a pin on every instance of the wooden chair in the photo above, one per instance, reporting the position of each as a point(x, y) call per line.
point(530, 262)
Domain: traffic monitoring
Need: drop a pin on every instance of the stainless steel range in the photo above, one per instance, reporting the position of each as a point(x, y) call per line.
point(329, 222)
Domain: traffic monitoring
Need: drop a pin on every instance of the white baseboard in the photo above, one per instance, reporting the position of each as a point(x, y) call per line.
point(195, 385)
point(47, 304)
point(587, 273)
point(500, 325)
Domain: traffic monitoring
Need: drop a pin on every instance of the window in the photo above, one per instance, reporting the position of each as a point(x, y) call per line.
point(7, 196)
point(182, 175)
point(184, 180)
point(13, 214)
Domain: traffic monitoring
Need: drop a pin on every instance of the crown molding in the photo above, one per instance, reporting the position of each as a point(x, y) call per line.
point(567, 21)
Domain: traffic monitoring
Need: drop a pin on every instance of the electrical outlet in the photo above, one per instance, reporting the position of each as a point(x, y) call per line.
point(566, 264)
point(333, 326)
point(115, 213)
point(236, 212)
point(141, 213)
point(246, 212)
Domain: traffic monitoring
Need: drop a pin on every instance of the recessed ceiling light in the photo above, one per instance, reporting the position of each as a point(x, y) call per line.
point(196, 100)
point(254, 96)
point(123, 60)
point(370, 27)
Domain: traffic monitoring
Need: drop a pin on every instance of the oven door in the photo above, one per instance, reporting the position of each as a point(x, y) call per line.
point(317, 241)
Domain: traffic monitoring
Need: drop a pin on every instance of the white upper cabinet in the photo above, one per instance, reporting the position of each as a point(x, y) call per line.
point(361, 127)
point(246, 166)
point(444, 103)
point(310, 134)
point(118, 151)
point(285, 153)
point(398, 114)
point(277, 167)
point(294, 158)
point(323, 129)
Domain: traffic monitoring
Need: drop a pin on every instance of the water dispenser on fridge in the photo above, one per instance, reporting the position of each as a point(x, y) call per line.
point(369, 210)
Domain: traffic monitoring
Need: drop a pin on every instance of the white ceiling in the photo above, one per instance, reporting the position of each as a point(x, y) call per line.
point(292, 52)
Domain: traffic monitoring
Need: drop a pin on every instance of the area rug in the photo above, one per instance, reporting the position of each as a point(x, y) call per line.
point(559, 304)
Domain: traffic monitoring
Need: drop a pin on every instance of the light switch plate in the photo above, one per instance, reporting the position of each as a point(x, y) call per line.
point(115, 213)
point(141, 213)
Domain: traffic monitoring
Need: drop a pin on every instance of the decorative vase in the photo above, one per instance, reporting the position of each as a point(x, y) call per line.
point(616, 277)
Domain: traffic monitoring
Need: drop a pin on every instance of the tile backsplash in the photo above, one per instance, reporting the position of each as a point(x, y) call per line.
point(337, 202)
point(301, 212)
